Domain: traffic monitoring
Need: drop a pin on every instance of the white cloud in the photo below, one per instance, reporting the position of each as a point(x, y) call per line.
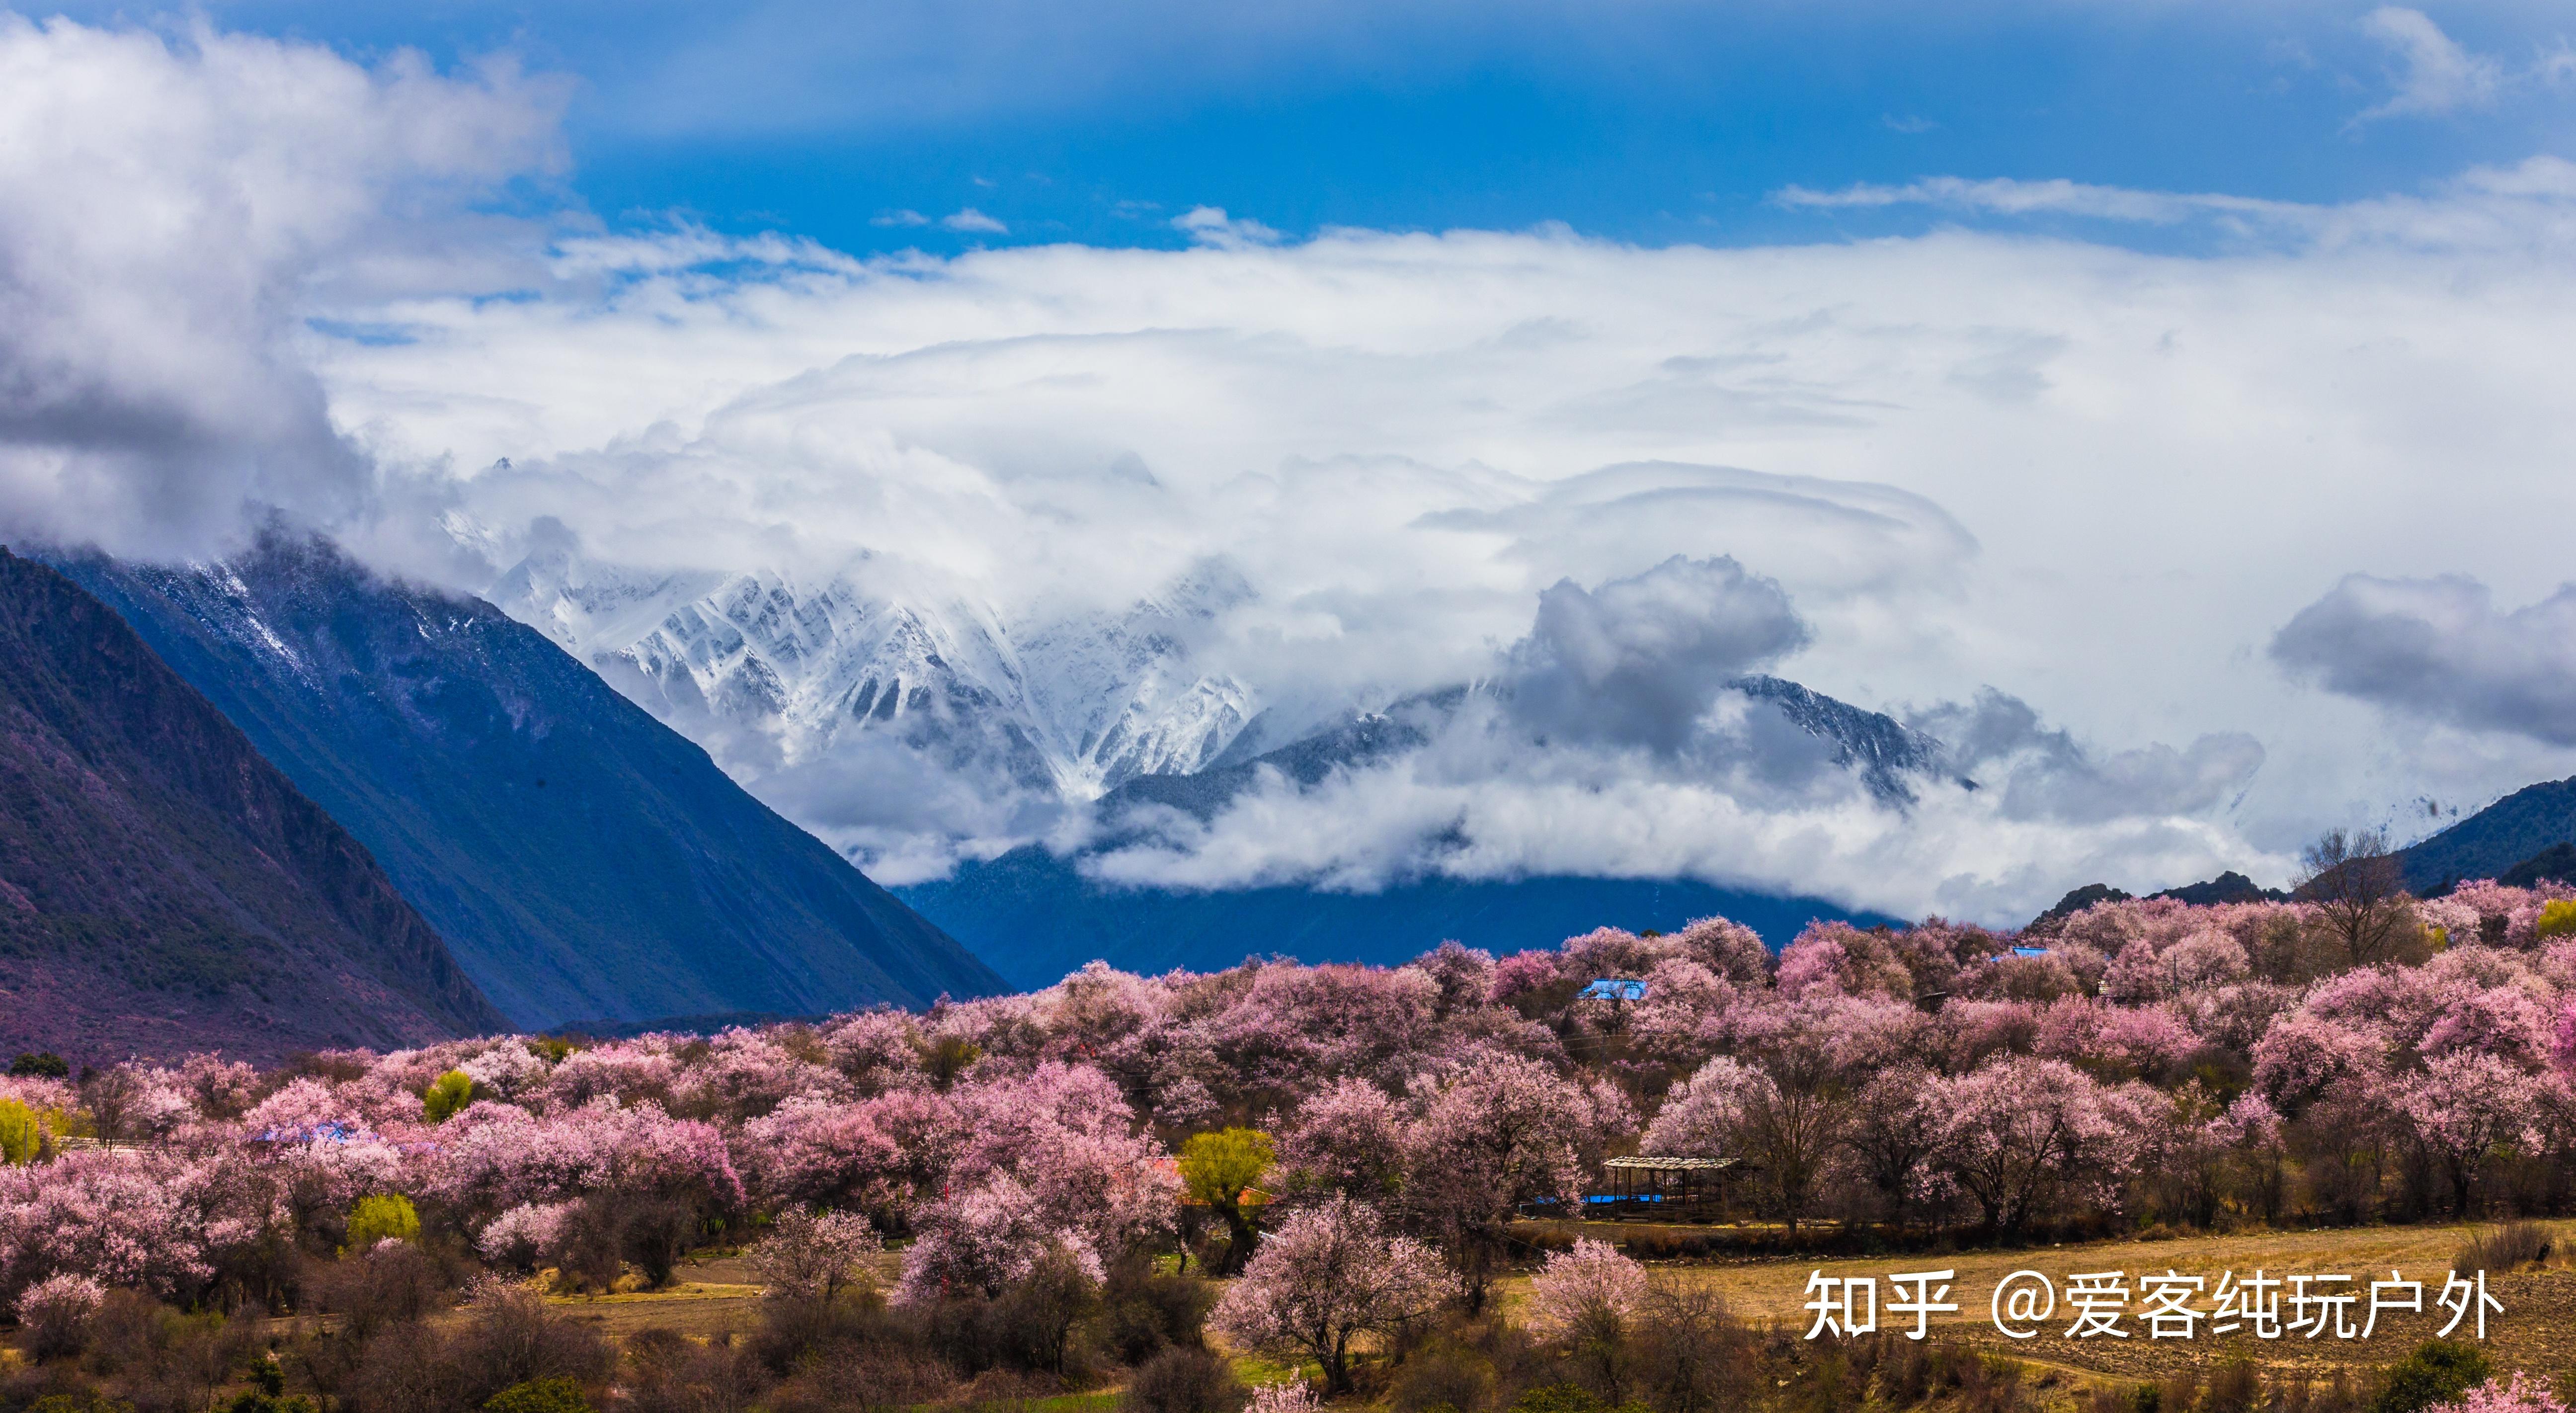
point(1209, 225)
point(1956, 852)
point(168, 208)
point(903, 217)
point(2434, 75)
point(2093, 478)
point(2528, 208)
point(971, 219)
point(2007, 197)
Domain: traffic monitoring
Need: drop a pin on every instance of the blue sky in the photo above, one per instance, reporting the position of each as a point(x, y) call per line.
point(1643, 122)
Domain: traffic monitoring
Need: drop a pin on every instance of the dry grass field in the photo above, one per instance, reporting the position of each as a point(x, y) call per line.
point(2536, 1331)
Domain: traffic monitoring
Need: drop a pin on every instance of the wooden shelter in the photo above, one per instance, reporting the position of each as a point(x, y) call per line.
point(1664, 1189)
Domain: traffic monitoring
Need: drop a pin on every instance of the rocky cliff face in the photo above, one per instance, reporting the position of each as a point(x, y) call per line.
point(163, 887)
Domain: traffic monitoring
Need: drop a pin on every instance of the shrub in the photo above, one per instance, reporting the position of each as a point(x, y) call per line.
point(2109, 1398)
point(2234, 1387)
point(673, 1374)
point(1031, 1322)
point(165, 1362)
point(387, 1216)
point(88, 1400)
point(43, 1064)
point(1144, 1312)
point(56, 1313)
point(263, 1401)
point(1690, 1356)
point(554, 1395)
point(399, 1370)
point(1568, 1398)
point(811, 1256)
point(377, 1287)
point(1288, 1396)
point(447, 1096)
point(1455, 1379)
point(1587, 1294)
point(1186, 1381)
point(512, 1337)
point(656, 1234)
point(2439, 1371)
point(2508, 1246)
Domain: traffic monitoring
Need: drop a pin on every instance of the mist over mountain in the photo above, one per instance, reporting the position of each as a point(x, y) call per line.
point(165, 889)
point(1080, 766)
point(883, 711)
point(584, 861)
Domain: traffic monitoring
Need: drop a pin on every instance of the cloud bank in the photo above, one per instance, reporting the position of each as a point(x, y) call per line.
point(2440, 650)
point(1945, 476)
point(1639, 660)
point(168, 208)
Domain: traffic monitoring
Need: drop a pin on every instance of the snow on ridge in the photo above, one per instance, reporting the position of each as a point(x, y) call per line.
point(1070, 708)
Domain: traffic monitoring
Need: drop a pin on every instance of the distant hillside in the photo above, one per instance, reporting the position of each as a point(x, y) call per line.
point(165, 889)
point(2555, 864)
point(2495, 839)
point(586, 863)
point(1039, 918)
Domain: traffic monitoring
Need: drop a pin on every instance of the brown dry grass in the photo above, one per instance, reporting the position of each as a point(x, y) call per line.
point(2536, 1332)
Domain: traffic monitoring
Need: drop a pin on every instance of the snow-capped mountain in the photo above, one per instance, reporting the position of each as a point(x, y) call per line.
point(775, 671)
point(910, 724)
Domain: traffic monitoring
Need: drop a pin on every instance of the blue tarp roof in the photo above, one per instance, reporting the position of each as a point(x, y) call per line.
point(1616, 988)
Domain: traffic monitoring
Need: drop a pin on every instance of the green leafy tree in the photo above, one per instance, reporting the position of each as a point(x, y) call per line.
point(2438, 1372)
point(2557, 919)
point(41, 1065)
point(262, 1401)
point(1220, 1170)
point(448, 1095)
point(20, 1134)
point(387, 1215)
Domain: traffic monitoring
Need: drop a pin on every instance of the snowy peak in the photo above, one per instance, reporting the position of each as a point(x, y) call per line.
point(785, 673)
point(1117, 694)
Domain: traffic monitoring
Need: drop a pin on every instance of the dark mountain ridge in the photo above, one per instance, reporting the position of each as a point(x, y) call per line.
point(163, 888)
point(584, 862)
point(1039, 918)
point(2491, 842)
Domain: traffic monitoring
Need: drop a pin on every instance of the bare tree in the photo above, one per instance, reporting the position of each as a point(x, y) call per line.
point(110, 1095)
point(2353, 879)
point(1792, 1123)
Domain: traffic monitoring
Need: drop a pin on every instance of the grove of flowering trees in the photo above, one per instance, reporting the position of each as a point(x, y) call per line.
point(1367, 1135)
